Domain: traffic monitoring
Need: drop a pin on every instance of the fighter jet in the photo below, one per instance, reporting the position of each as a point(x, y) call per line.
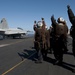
point(5, 31)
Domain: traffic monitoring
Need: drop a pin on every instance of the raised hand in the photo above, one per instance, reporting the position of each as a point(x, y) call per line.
point(34, 21)
point(52, 16)
point(68, 6)
point(42, 18)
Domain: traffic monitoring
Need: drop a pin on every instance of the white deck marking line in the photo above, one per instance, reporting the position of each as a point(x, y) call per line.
point(10, 43)
point(3, 45)
point(17, 65)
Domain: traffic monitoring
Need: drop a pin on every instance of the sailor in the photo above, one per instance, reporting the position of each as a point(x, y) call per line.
point(60, 34)
point(72, 30)
point(51, 39)
point(62, 22)
point(45, 38)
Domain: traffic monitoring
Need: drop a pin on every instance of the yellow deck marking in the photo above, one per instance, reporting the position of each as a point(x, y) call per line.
point(16, 65)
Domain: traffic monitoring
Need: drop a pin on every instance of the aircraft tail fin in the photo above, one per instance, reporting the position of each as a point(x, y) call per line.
point(3, 24)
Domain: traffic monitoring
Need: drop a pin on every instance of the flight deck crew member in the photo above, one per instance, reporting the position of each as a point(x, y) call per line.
point(60, 34)
point(72, 30)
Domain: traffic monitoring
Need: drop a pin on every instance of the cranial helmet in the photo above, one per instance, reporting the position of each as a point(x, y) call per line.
point(60, 19)
point(39, 24)
point(46, 27)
